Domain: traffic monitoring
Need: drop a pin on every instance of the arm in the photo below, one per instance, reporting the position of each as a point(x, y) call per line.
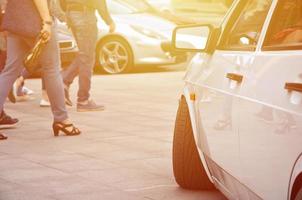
point(42, 7)
point(102, 9)
point(3, 5)
point(43, 10)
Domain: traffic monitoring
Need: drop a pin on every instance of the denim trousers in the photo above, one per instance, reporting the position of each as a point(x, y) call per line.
point(17, 48)
point(84, 28)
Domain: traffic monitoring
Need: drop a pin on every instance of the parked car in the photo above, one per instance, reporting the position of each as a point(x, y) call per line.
point(137, 40)
point(67, 44)
point(239, 121)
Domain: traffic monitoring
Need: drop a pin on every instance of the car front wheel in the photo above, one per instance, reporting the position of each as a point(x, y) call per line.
point(114, 56)
point(188, 168)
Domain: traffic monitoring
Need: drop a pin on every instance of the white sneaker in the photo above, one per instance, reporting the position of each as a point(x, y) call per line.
point(27, 91)
point(44, 103)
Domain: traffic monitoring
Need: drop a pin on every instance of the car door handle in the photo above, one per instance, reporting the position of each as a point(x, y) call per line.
point(235, 77)
point(297, 87)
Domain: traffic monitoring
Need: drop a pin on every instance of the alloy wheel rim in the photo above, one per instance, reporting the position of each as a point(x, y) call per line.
point(114, 57)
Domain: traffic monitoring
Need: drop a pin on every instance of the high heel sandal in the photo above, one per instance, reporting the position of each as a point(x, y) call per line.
point(59, 126)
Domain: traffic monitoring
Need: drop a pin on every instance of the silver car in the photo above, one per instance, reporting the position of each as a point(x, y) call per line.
point(137, 41)
point(67, 44)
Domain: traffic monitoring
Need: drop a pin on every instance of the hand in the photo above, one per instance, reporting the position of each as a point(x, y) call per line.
point(112, 27)
point(46, 32)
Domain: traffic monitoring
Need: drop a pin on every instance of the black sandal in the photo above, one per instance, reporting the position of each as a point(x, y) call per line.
point(59, 126)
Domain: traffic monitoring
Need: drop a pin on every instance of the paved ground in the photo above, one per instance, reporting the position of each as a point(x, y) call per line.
point(123, 153)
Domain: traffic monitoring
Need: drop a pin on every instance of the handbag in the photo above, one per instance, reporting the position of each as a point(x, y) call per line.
point(31, 60)
point(22, 18)
point(1, 18)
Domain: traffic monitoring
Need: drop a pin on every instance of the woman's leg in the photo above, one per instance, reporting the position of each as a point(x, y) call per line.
point(50, 60)
point(44, 100)
point(25, 74)
point(19, 86)
point(2, 59)
point(43, 85)
point(16, 50)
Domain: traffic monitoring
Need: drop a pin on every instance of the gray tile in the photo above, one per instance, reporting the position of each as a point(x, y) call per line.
point(123, 153)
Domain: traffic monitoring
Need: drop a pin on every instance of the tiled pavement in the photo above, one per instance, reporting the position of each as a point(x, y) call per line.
point(124, 152)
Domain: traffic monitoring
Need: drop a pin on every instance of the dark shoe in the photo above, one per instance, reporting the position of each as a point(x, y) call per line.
point(11, 96)
point(6, 120)
point(68, 129)
point(88, 106)
point(67, 96)
point(3, 137)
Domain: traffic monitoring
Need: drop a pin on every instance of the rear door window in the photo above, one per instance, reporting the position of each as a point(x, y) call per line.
point(285, 31)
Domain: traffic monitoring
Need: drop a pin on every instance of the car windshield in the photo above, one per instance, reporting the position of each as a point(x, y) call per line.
point(128, 6)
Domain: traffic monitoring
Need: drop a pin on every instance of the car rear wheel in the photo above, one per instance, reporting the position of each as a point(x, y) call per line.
point(114, 56)
point(299, 195)
point(188, 169)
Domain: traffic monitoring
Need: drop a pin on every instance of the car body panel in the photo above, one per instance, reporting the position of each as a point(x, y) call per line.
point(270, 160)
point(219, 117)
point(254, 158)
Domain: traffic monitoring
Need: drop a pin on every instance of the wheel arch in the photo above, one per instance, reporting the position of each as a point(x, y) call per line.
point(188, 91)
point(296, 179)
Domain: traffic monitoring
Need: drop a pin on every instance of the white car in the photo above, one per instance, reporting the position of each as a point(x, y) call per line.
point(137, 41)
point(239, 121)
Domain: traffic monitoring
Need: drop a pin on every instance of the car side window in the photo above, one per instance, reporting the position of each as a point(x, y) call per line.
point(245, 31)
point(285, 31)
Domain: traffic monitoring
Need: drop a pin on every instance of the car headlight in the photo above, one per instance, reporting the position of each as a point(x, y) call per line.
point(147, 32)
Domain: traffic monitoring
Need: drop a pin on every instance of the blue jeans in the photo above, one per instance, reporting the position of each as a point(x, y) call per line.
point(17, 48)
point(84, 28)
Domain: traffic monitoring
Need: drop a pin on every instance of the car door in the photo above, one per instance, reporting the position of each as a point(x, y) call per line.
point(270, 108)
point(218, 89)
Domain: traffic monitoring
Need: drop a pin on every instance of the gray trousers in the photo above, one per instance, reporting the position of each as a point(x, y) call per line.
point(17, 48)
point(84, 28)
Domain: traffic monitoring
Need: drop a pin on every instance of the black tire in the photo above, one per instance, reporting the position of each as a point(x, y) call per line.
point(299, 195)
point(188, 169)
point(102, 66)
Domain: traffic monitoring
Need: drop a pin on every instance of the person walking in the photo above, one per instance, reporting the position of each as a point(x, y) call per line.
point(19, 20)
point(81, 18)
point(5, 120)
point(22, 93)
point(3, 3)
